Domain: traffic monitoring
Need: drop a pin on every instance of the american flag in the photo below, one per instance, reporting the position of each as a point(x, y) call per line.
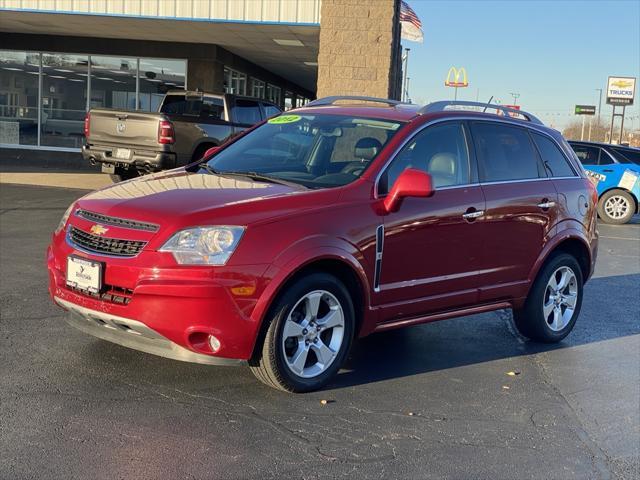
point(411, 24)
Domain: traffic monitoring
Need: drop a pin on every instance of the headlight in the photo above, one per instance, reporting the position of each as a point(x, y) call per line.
point(65, 217)
point(204, 245)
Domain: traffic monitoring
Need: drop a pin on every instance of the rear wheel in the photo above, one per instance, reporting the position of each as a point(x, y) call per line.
point(309, 335)
point(554, 302)
point(616, 207)
point(124, 174)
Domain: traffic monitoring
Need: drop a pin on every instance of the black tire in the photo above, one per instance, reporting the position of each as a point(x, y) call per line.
point(269, 364)
point(122, 174)
point(622, 195)
point(530, 319)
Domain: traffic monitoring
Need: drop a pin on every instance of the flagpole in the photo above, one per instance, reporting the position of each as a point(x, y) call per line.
point(404, 74)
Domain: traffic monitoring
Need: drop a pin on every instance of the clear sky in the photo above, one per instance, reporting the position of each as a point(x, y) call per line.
point(554, 53)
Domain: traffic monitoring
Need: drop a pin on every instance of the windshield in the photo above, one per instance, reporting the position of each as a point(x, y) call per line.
point(315, 151)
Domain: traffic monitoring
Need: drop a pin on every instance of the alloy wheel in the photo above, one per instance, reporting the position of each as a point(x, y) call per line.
point(313, 333)
point(616, 207)
point(560, 298)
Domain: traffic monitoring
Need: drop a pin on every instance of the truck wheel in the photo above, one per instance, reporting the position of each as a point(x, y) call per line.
point(311, 327)
point(122, 174)
point(554, 301)
point(200, 151)
point(616, 207)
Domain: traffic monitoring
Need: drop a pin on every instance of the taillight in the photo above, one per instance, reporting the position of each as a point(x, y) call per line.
point(166, 134)
point(87, 124)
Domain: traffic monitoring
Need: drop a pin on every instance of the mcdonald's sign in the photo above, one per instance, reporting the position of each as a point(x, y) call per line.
point(457, 77)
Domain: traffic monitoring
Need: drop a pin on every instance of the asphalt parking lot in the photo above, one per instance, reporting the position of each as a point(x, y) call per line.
point(433, 401)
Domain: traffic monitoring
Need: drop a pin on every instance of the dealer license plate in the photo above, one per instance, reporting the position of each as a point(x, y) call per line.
point(84, 274)
point(123, 153)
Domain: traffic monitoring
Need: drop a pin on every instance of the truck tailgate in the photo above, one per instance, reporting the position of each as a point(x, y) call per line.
point(126, 128)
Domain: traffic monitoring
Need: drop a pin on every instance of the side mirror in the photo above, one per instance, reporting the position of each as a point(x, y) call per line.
point(210, 152)
point(410, 183)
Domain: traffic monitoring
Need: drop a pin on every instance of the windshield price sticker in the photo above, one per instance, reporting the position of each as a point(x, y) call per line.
point(285, 119)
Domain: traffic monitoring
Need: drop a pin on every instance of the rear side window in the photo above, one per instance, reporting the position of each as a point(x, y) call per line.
point(505, 153)
point(552, 158)
point(212, 108)
point(247, 112)
point(605, 159)
point(587, 155)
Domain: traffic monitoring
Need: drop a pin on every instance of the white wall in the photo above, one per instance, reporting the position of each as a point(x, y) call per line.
point(287, 11)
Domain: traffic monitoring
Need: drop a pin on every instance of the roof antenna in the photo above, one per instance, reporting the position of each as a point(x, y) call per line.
point(488, 103)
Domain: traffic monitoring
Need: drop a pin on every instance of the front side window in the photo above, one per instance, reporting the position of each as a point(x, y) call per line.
point(552, 158)
point(505, 153)
point(440, 150)
point(316, 151)
point(586, 155)
point(605, 158)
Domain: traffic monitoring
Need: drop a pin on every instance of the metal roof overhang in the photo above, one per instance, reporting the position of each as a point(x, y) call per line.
point(253, 41)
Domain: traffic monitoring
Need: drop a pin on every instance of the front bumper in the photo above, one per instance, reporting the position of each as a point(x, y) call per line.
point(174, 309)
point(133, 334)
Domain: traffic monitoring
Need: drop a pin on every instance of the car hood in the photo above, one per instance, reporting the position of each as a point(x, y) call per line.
point(175, 196)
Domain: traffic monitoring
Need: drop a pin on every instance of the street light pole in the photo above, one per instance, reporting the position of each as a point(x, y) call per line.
point(515, 98)
point(599, 103)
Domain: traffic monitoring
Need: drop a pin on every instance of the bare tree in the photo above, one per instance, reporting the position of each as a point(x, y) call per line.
point(599, 131)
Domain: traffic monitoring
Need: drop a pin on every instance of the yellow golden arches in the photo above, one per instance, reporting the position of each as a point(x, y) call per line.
point(454, 77)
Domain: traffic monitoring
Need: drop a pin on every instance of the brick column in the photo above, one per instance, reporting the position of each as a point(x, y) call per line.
point(359, 48)
point(205, 74)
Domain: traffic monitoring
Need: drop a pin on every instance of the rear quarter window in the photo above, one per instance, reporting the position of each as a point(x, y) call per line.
point(553, 159)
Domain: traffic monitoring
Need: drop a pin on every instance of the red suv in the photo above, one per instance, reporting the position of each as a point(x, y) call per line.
point(329, 223)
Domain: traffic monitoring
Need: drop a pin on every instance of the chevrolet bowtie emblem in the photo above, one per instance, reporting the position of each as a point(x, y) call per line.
point(622, 84)
point(99, 229)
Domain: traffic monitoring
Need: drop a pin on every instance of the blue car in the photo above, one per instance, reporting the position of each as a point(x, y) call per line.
point(615, 170)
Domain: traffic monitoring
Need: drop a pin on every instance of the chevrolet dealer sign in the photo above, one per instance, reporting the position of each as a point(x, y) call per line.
point(621, 90)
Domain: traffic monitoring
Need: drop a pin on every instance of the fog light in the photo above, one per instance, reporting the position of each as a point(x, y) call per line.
point(214, 343)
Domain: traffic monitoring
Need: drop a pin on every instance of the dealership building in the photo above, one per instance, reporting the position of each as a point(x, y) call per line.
point(59, 58)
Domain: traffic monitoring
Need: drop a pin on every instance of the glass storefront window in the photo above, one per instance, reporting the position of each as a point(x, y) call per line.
point(19, 97)
point(235, 82)
point(44, 96)
point(113, 82)
point(64, 99)
point(273, 94)
point(157, 77)
point(257, 88)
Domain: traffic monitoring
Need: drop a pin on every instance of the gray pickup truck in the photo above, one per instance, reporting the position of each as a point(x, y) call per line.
point(128, 143)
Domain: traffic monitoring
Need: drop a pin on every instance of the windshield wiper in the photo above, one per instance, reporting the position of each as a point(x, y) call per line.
point(261, 176)
point(208, 168)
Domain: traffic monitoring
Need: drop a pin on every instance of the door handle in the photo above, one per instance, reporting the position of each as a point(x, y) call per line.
point(546, 204)
point(608, 170)
point(471, 215)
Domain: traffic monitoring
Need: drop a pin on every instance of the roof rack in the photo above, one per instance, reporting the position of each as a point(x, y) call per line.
point(442, 105)
point(333, 99)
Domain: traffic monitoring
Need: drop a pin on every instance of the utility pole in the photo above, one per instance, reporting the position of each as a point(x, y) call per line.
point(515, 98)
point(599, 103)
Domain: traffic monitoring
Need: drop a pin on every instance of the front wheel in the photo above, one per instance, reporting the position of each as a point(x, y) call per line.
point(309, 335)
point(616, 207)
point(554, 302)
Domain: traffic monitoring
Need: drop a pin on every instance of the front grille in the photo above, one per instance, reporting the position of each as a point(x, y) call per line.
point(117, 222)
point(108, 246)
point(110, 293)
